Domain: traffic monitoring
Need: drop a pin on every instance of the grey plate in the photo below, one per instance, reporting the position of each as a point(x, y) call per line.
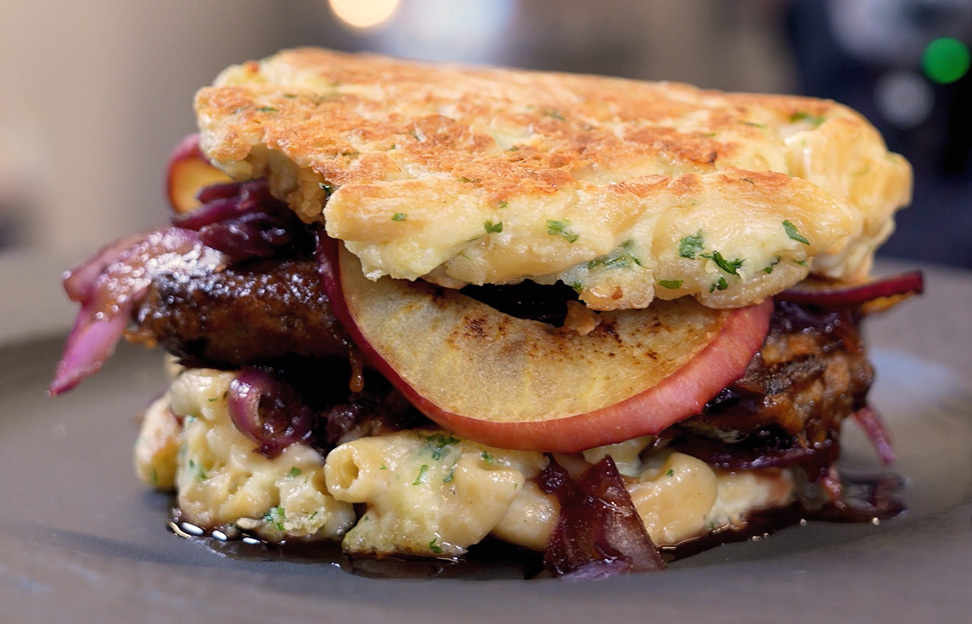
point(80, 539)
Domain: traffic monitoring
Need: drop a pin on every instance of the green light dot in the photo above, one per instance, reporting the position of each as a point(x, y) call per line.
point(945, 60)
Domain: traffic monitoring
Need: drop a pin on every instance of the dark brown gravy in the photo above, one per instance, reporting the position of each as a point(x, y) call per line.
point(868, 498)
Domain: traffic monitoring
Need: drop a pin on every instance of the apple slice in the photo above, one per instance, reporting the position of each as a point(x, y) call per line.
point(189, 171)
point(522, 384)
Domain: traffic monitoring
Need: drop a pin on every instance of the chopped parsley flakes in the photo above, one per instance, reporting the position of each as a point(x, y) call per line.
point(671, 284)
point(804, 116)
point(438, 444)
point(620, 258)
point(793, 234)
point(493, 228)
point(199, 470)
point(275, 516)
point(773, 262)
point(399, 216)
point(731, 267)
point(691, 246)
point(562, 228)
point(420, 479)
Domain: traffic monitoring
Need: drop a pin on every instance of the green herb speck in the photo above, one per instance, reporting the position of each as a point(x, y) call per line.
point(773, 262)
point(420, 479)
point(691, 246)
point(327, 188)
point(399, 216)
point(267, 109)
point(487, 457)
point(198, 469)
point(438, 444)
point(671, 284)
point(275, 516)
point(493, 228)
point(721, 284)
point(731, 267)
point(670, 473)
point(793, 234)
point(620, 258)
point(814, 120)
point(435, 547)
point(562, 228)
point(294, 472)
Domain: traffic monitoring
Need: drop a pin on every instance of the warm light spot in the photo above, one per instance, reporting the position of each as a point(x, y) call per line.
point(363, 13)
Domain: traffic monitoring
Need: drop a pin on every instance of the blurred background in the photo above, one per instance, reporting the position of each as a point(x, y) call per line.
point(95, 94)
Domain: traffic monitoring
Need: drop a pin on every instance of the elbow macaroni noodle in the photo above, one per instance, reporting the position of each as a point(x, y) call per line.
point(419, 492)
point(427, 492)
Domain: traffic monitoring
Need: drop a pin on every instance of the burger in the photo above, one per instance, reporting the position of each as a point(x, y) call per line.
point(415, 309)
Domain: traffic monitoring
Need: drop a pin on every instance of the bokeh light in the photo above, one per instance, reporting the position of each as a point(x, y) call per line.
point(363, 13)
point(945, 60)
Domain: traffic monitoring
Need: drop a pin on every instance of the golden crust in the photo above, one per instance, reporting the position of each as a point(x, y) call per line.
point(477, 175)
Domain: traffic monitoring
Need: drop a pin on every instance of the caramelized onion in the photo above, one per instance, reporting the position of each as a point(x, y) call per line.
point(110, 285)
point(877, 432)
point(763, 452)
point(822, 294)
point(599, 532)
point(243, 220)
point(236, 222)
point(268, 411)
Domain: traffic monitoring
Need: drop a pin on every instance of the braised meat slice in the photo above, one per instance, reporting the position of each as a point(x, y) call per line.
point(250, 312)
point(810, 374)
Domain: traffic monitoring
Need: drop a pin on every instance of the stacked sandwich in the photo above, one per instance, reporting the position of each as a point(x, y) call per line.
point(416, 307)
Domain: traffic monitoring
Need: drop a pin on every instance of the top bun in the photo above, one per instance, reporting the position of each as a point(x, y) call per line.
point(626, 190)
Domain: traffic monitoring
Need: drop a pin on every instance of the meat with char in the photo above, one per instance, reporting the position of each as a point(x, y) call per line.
point(250, 312)
point(810, 374)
